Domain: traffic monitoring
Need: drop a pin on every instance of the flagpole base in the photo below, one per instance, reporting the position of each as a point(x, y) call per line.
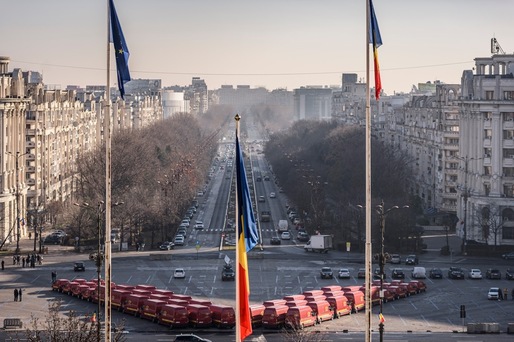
point(381, 331)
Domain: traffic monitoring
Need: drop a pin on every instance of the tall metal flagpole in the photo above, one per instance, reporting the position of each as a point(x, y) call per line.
point(368, 187)
point(107, 135)
point(238, 274)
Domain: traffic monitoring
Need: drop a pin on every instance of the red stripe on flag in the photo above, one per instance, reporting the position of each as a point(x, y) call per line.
point(378, 81)
point(244, 290)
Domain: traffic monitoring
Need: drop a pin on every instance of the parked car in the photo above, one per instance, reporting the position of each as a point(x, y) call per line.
point(179, 240)
point(435, 273)
point(179, 273)
point(494, 293)
point(326, 273)
point(475, 273)
point(343, 273)
point(285, 236)
point(508, 256)
point(396, 259)
point(455, 273)
point(361, 274)
point(411, 260)
point(419, 273)
point(509, 274)
point(53, 239)
point(228, 273)
point(302, 237)
point(79, 266)
point(397, 273)
point(275, 240)
point(493, 273)
point(166, 246)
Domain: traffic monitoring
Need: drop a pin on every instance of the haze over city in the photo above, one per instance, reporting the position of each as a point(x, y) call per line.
point(270, 43)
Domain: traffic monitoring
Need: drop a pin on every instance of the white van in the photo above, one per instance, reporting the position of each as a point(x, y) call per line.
point(419, 273)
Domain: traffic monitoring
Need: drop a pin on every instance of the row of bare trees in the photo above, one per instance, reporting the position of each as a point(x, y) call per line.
point(321, 166)
point(156, 172)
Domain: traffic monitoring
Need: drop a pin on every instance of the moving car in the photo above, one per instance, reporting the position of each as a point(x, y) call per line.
point(397, 273)
point(436, 273)
point(166, 246)
point(509, 274)
point(272, 195)
point(302, 237)
point(508, 256)
point(199, 225)
point(261, 199)
point(361, 274)
point(343, 273)
point(475, 273)
point(285, 236)
point(275, 240)
point(494, 293)
point(79, 266)
point(411, 260)
point(228, 273)
point(493, 273)
point(326, 273)
point(179, 273)
point(396, 259)
point(179, 240)
point(455, 273)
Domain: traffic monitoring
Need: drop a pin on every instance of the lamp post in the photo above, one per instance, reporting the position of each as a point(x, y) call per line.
point(99, 255)
point(382, 213)
point(18, 230)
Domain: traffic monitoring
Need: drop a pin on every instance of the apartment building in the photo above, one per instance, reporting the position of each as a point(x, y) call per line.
point(44, 131)
point(486, 151)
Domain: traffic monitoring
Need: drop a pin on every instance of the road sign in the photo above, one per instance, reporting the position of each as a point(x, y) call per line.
point(348, 244)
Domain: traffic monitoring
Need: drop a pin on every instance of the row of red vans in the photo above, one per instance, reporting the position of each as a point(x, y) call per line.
point(315, 306)
point(148, 302)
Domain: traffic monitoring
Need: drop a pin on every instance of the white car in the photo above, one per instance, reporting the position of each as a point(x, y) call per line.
point(179, 273)
point(285, 236)
point(179, 240)
point(272, 195)
point(475, 273)
point(494, 293)
point(343, 273)
point(199, 225)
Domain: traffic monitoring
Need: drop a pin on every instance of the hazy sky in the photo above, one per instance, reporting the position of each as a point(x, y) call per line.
point(271, 43)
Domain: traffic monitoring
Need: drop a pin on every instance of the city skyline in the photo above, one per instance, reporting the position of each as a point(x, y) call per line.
point(275, 44)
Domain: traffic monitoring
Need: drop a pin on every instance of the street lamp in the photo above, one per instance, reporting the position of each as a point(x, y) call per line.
point(18, 230)
point(99, 255)
point(382, 213)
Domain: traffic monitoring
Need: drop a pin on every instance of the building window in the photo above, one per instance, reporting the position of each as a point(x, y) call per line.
point(489, 95)
point(488, 116)
point(508, 95)
point(508, 171)
point(507, 233)
point(508, 153)
point(487, 189)
point(508, 134)
point(487, 170)
point(488, 133)
point(487, 152)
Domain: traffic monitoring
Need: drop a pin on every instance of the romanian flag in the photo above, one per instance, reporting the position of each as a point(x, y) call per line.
point(376, 40)
point(247, 239)
point(381, 318)
point(120, 49)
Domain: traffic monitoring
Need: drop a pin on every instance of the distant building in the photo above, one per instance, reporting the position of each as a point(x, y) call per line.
point(313, 103)
point(242, 98)
point(173, 103)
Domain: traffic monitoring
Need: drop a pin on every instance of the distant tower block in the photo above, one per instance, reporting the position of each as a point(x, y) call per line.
point(4, 65)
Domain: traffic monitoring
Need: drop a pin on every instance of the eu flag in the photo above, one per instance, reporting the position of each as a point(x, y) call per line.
point(120, 49)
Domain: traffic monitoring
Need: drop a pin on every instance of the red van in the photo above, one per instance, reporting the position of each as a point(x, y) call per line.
point(411, 288)
point(181, 297)
point(315, 298)
point(274, 316)
point(200, 301)
point(375, 294)
point(118, 298)
point(274, 302)
point(178, 302)
point(351, 288)
point(356, 300)
point(398, 292)
point(223, 316)
point(66, 287)
point(151, 308)
point(312, 293)
point(58, 284)
point(422, 287)
point(256, 312)
point(124, 287)
point(333, 293)
point(292, 298)
point(76, 290)
point(159, 297)
point(298, 317)
point(199, 315)
point(331, 288)
point(299, 302)
point(173, 315)
point(87, 294)
point(322, 310)
point(340, 306)
point(167, 293)
point(141, 292)
point(133, 303)
point(150, 288)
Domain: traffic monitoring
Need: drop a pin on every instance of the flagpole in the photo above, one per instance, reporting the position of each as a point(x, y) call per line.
point(238, 274)
point(368, 187)
point(107, 135)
